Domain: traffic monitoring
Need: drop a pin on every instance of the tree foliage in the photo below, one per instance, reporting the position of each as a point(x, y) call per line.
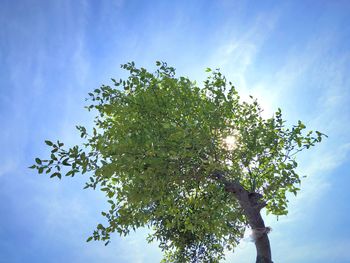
point(157, 142)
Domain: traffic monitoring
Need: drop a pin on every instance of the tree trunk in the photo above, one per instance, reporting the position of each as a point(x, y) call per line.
point(251, 204)
point(252, 212)
point(262, 243)
point(263, 250)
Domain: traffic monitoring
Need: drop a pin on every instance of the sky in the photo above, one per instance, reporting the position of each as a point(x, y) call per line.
point(289, 54)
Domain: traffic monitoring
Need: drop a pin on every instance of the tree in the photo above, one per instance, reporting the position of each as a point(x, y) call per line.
point(196, 165)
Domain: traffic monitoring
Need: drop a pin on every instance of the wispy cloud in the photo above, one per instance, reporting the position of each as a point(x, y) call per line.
point(52, 56)
point(238, 51)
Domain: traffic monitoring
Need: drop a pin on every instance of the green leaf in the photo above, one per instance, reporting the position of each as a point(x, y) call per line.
point(53, 157)
point(38, 161)
point(70, 173)
point(49, 143)
point(65, 162)
point(54, 150)
point(56, 174)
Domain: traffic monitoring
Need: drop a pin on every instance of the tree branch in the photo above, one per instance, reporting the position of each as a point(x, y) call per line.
point(248, 200)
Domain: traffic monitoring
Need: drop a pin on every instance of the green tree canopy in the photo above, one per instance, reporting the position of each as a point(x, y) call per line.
point(194, 164)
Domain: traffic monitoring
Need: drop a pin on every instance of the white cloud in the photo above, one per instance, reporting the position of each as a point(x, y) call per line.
point(238, 51)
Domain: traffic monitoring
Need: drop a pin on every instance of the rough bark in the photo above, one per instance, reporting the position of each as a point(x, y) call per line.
point(251, 204)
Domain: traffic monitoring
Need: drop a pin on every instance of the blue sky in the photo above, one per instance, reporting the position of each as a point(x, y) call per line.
point(289, 54)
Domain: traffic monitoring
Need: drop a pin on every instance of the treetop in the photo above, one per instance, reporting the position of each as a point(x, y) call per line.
point(157, 142)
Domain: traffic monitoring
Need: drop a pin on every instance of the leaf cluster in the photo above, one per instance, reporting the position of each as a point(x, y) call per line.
point(156, 142)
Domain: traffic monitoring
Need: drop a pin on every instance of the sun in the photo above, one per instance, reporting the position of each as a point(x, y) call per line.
point(230, 142)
